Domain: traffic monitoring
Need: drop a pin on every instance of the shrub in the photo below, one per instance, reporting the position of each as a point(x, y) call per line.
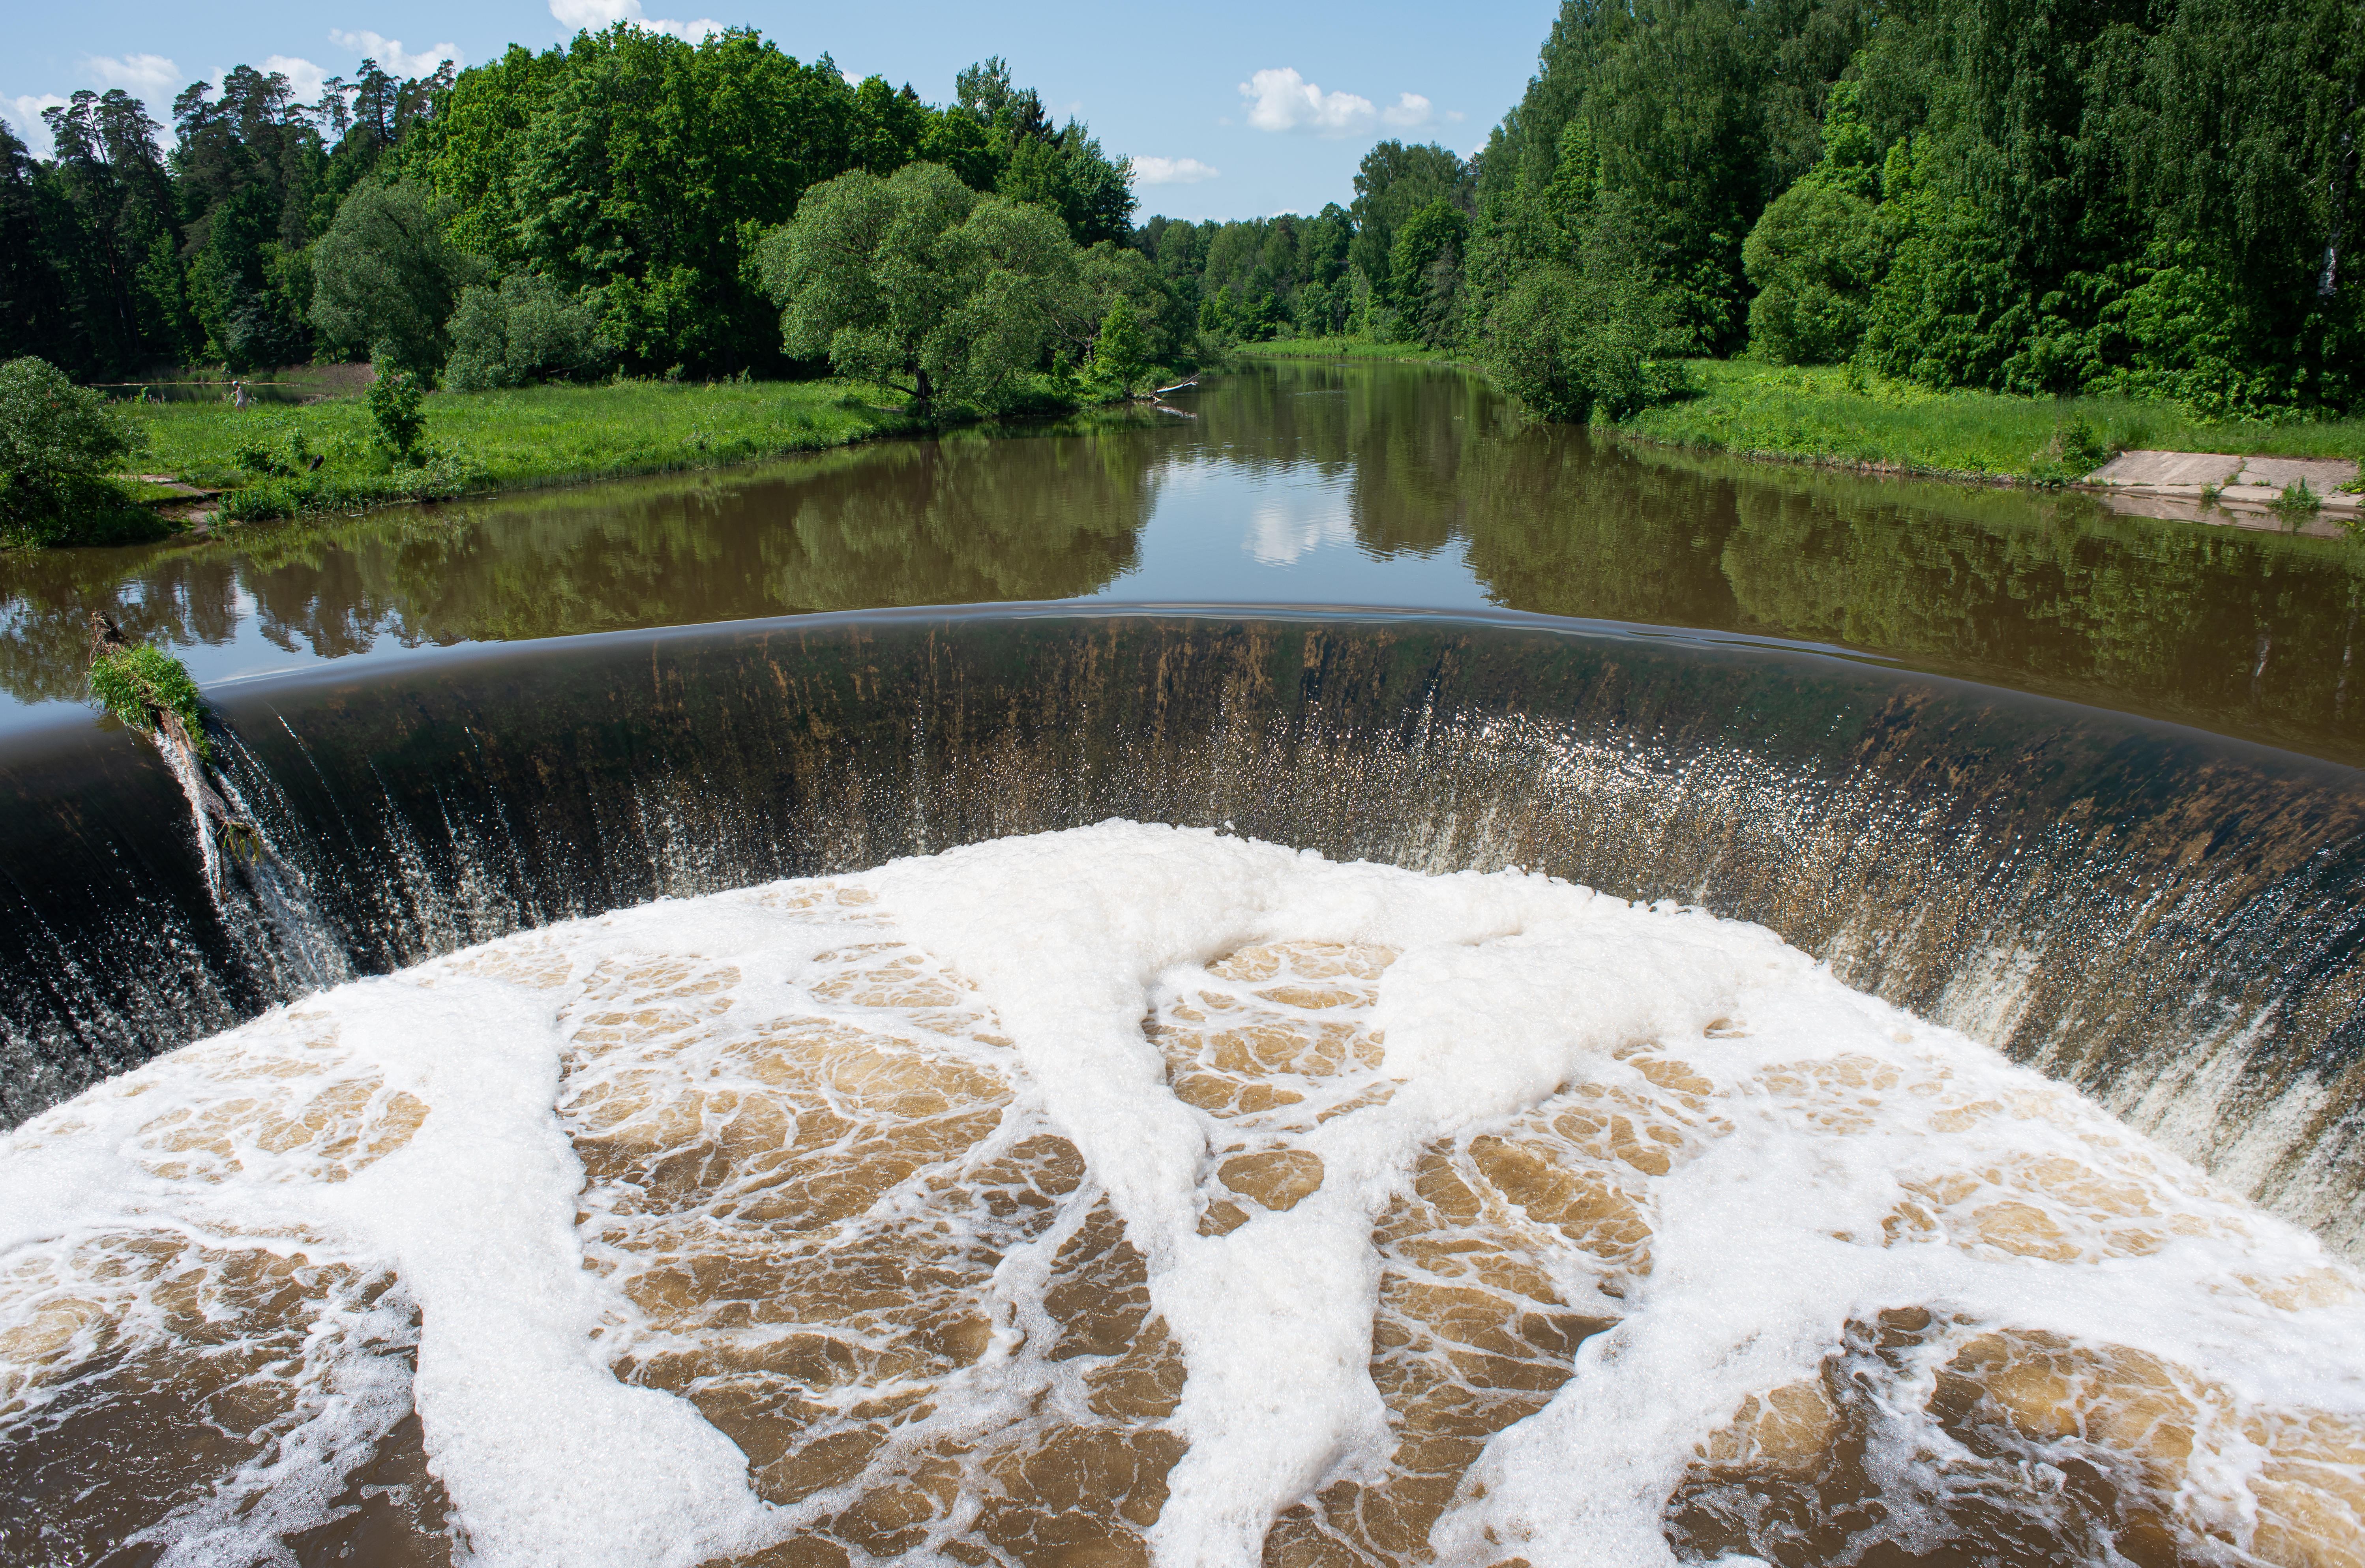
point(1118, 354)
point(1574, 346)
point(1813, 259)
point(394, 400)
point(526, 330)
point(57, 443)
point(275, 445)
point(2076, 450)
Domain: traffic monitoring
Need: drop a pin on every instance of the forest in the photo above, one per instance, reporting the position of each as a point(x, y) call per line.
point(2149, 197)
point(589, 208)
point(2145, 197)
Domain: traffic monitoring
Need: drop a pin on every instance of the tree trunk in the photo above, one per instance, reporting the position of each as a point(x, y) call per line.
point(2344, 174)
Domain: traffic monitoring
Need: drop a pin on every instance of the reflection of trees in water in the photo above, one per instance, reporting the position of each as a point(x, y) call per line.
point(966, 520)
point(44, 613)
point(2041, 592)
point(1398, 435)
point(902, 523)
point(961, 520)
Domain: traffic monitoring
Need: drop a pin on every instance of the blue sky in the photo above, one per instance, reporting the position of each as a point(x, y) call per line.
point(1230, 110)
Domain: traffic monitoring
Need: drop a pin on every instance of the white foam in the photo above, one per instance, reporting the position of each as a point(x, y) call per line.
point(1509, 992)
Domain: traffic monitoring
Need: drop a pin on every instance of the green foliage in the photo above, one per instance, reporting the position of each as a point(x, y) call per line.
point(1394, 183)
point(58, 444)
point(140, 682)
point(1818, 249)
point(2297, 503)
point(1813, 259)
point(387, 275)
point(2076, 450)
point(114, 257)
point(394, 398)
point(525, 332)
point(276, 445)
point(917, 283)
point(636, 169)
point(1573, 346)
point(1118, 353)
point(1424, 273)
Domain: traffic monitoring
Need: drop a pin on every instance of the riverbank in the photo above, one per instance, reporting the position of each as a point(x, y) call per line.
point(1347, 348)
point(1836, 417)
point(325, 457)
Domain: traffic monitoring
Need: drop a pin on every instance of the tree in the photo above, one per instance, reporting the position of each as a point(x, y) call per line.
point(57, 443)
point(1394, 183)
point(33, 291)
point(526, 330)
point(1817, 251)
point(1574, 345)
point(1425, 270)
point(919, 284)
point(1118, 352)
point(385, 276)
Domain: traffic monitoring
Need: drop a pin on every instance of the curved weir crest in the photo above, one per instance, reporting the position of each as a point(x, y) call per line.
point(1197, 1196)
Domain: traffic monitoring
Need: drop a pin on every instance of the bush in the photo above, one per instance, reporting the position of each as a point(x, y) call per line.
point(1118, 354)
point(394, 400)
point(2076, 450)
point(1813, 259)
point(527, 331)
point(1573, 346)
point(57, 443)
point(275, 445)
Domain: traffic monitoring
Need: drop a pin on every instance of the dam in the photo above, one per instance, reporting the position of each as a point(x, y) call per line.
point(952, 1028)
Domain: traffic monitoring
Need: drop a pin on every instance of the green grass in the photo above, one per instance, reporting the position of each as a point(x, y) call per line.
point(478, 442)
point(1830, 415)
point(1344, 348)
point(142, 492)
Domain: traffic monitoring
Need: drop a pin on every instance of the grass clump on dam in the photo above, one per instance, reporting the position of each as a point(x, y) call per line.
point(331, 457)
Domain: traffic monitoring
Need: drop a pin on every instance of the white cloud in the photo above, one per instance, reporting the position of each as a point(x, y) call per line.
point(141, 73)
point(305, 79)
point(1283, 100)
point(1172, 172)
point(24, 116)
point(577, 15)
point(391, 57)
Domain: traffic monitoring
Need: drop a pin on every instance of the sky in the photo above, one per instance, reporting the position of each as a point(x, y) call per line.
point(1227, 109)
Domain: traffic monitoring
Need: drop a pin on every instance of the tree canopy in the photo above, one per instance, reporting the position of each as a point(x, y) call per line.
point(2024, 195)
point(636, 174)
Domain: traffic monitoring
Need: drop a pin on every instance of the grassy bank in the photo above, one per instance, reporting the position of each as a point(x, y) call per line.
point(1345, 348)
point(1833, 415)
point(477, 442)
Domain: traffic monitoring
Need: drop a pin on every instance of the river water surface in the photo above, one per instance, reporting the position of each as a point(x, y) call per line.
point(1294, 483)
